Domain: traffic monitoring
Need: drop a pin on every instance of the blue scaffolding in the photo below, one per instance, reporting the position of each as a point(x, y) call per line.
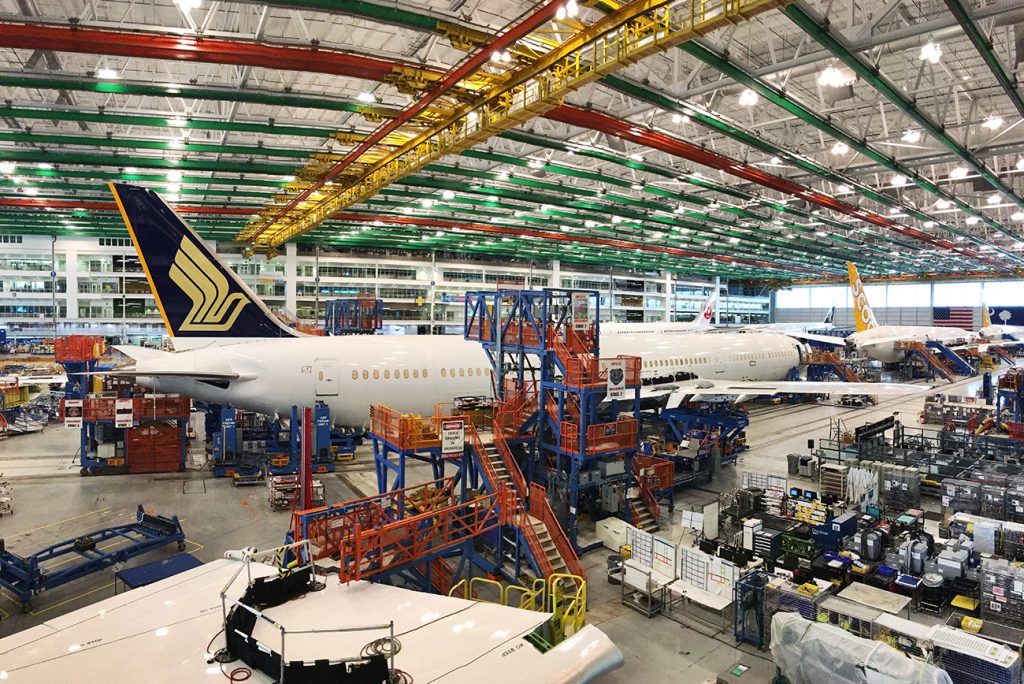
point(357, 316)
point(579, 438)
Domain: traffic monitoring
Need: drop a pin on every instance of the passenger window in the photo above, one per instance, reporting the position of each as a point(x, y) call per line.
point(405, 373)
point(462, 372)
point(416, 373)
point(366, 375)
point(355, 375)
point(425, 372)
point(376, 374)
point(452, 372)
point(479, 372)
point(444, 373)
point(387, 374)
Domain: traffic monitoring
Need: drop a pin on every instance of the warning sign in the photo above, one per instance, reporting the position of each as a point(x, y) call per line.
point(615, 371)
point(73, 413)
point(124, 413)
point(453, 436)
point(580, 310)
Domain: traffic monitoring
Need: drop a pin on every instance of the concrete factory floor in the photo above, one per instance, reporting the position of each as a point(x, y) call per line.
point(52, 502)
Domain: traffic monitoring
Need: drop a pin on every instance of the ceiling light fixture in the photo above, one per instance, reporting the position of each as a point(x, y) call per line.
point(448, 195)
point(44, 166)
point(7, 167)
point(1020, 164)
point(188, 5)
point(107, 74)
point(911, 136)
point(1016, 216)
point(366, 97)
point(775, 161)
point(843, 189)
point(748, 98)
point(31, 191)
point(130, 169)
point(831, 76)
point(943, 204)
point(174, 176)
point(994, 198)
point(993, 122)
point(898, 180)
point(930, 52)
point(840, 148)
point(680, 118)
point(959, 173)
point(972, 220)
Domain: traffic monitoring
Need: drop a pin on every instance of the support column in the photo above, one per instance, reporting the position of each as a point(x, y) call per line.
point(291, 272)
point(718, 307)
point(669, 297)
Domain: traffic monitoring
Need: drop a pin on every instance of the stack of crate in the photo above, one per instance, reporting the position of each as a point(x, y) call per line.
point(832, 480)
point(1002, 592)
point(960, 496)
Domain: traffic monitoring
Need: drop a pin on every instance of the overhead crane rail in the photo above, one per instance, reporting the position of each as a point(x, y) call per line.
point(629, 34)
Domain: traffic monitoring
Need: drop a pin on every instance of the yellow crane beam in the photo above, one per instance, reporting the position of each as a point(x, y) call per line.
point(634, 31)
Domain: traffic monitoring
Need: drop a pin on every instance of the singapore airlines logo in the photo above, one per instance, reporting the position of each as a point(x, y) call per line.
point(213, 308)
point(860, 301)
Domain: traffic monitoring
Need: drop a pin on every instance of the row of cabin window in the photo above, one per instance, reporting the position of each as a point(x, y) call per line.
point(415, 374)
point(661, 363)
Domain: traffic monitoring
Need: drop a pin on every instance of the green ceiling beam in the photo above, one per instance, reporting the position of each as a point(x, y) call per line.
point(176, 123)
point(36, 156)
point(165, 145)
point(821, 32)
point(189, 92)
point(779, 98)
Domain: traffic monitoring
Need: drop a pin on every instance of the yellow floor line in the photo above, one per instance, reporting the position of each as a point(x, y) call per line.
point(74, 517)
point(73, 598)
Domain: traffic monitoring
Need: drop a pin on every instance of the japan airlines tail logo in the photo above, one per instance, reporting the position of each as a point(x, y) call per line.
point(213, 308)
point(709, 309)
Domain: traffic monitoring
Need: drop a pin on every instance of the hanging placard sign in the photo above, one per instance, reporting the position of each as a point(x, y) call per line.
point(73, 413)
point(615, 372)
point(580, 310)
point(453, 436)
point(124, 416)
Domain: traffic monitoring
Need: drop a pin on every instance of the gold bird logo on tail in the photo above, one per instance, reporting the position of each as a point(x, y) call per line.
point(213, 308)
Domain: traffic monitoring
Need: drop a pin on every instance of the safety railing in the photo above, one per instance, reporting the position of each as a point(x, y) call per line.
point(656, 473)
point(588, 371)
point(830, 358)
point(509, 461)
point(940, 364)
point(600, 437)
point(326, 527)
point(540, 508)
point(406, 431)
point(368, 552)
point(150, 406)
point(562, 595)
point(647, 496)
point(299, 549)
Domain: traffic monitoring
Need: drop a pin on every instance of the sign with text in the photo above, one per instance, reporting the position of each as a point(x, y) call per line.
point(453, 436)
point(580, 310)
point(615, 371)
point(124, 411)
point(73, 413)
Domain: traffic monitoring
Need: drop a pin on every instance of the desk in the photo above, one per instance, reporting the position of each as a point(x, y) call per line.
point(885, 601)
point(643, 589)
point(720, 605)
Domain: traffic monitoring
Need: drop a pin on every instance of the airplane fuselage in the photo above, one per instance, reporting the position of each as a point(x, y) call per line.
point(880, 342)
point(998, 332)
point(413, 373)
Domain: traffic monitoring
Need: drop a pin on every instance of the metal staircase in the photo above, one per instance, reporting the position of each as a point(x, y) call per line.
point(931, 361)
point(823, 362)
point(642, 515)
point(954, 360)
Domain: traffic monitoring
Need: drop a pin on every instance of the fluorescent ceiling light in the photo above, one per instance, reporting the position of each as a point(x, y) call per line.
point(44, 166)
point(130, 169)
point(174, 176)
point(994, 198)
point(680, 118)
point(993, 122)
point(448, 195)
point(840, 148)
point(898, 180)
point(366, 97)
point(31, 191)
point(959, 173)
point(7, 167)
point(106, 73)
point(843, 190)
point(748, 98)
point(930, 52)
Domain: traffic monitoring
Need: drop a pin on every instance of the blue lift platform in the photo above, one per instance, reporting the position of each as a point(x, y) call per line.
point(356, 316)
point(28, 576)
point(244, 450)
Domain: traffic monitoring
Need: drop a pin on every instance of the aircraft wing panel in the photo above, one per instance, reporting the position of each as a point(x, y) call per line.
point(749, 389)
point(821, 339)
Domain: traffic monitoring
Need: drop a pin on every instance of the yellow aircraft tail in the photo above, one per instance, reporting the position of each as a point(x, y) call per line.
point(862, 312)
point(986, 317)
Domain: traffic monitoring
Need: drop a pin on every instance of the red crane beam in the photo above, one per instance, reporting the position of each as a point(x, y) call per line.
point(195, 49)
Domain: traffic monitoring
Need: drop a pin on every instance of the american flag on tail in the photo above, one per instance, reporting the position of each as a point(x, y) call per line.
point(953, 317)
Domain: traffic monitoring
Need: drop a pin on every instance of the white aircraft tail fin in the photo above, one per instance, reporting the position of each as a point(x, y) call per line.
point(705, 317)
